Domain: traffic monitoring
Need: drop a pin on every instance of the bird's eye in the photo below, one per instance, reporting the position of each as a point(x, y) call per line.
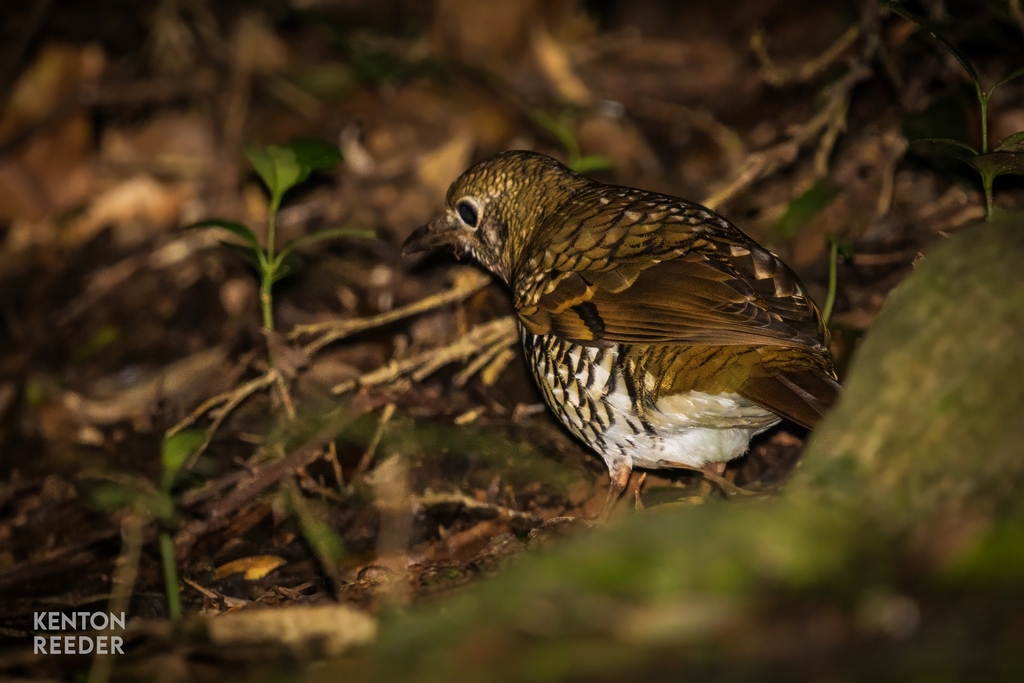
point(467, 212)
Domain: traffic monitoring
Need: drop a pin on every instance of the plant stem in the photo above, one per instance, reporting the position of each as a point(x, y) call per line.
point(833, 279)
point(170, 575)
point(266, 301)
point(275, 204)
point(984, 123)
point(986, 183)
point(267, 274)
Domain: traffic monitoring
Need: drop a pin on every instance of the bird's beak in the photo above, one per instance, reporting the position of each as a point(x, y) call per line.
point(437, 233)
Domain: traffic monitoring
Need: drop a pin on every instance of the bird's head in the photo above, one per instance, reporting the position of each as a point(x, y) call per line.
point(493, 209)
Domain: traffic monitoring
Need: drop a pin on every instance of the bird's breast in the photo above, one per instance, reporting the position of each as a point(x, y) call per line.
point(603, 399)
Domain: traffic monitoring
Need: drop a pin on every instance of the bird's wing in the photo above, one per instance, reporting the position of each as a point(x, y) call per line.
point(626, 266)
point(801, 392)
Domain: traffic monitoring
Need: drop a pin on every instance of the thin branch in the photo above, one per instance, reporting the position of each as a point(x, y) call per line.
point(807, 71)
point(467, 283)
point(422, 365)
point(378, 434)
point(763, 163)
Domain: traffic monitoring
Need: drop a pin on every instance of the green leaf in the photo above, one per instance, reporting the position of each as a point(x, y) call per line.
point(592, 163)
point(278, 167)
point(159, 504)
point(324, 540)
point(285, 265)
point(254, 257)
point(844, 246)
point(559, 129)
point(260, 159)
point(932, 147)
point(326, 80)
point(995, 164)
point(99, 340)
point(325, 235)
point(114, 496)
point(1015, 74)
point(804, 208)
point(240, 229)
point(920, 21)
point(1012, 143)
point(119, 496)
point(315, 154)
point(175, 452)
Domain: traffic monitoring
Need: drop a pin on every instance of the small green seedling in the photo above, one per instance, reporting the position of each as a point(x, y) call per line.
point(836, 246)
point(802, 209)
point(175, 451)
point(158, 503)
point(1007, 158)
point(281, 169)
point(562, 129)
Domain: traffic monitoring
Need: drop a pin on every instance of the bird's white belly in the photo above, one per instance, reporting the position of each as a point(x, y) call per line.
point(685, 430)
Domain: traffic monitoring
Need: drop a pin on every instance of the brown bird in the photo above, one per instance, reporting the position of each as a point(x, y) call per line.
point(659, 333)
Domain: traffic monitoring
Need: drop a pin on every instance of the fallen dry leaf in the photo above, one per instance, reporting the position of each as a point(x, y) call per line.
point(178, 384)
point(137, 208)
point(440, 166)
point(557, 68)
point(182, 144)
point(254, 568)
point(44, 85)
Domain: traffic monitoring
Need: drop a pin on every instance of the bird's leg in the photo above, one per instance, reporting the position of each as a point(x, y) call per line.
point(618, 477)
point(638, 504)
point(713, 472)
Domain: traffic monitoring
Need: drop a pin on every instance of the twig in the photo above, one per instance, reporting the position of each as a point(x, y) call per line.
point(210, 489)
point(422, 365)
point(467, 282)
point(763, 163)
point(371, 449)
point(227, 401)
point(215, 401)
point(838, 108)
point(802, 73)
point(490, 374)
point(332, 457)
point(727, 139)
point(904, 256)
point(286, 397)
point(487, 358)
point(259, 479)
point(431, 499)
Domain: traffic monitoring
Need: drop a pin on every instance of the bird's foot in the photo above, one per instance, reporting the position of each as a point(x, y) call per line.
point(713, 473)
point(617, 482)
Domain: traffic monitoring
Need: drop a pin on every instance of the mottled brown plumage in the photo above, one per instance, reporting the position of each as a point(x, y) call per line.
point(659, 333)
